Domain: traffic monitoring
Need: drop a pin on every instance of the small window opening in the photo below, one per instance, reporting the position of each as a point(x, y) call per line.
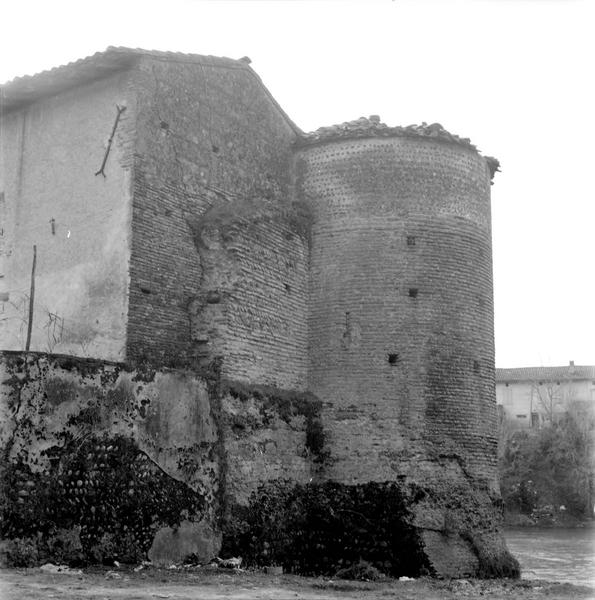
point(476, 366)
point(413, 292)
point(145, 290)
point(287, 288)
point(411, 240)
point(393, 358)
point(215, 148)
point(164, 125)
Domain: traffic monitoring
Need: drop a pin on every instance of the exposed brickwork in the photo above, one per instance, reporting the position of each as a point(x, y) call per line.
point(251, 310)
point(209, 135)
point(401, 312)
point(354, 263)
point(369, 199)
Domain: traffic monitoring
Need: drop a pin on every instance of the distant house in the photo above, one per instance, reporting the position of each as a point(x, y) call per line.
point(529, 397)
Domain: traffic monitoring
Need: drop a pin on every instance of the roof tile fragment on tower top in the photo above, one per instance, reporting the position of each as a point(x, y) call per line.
point(374, 127)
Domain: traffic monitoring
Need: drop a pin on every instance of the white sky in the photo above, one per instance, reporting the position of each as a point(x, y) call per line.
point(516, 76)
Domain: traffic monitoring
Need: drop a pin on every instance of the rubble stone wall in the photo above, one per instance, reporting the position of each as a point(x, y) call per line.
point(215, 445)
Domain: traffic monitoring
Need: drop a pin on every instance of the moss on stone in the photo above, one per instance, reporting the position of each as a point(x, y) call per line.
point(104, 486)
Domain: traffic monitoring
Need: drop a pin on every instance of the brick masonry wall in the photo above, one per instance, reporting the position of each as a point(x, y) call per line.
point(209, 135)
point(401, 312)
point(251, 310)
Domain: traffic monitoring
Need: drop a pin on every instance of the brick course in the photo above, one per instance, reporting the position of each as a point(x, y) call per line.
point(207, 136)
point(400, 255)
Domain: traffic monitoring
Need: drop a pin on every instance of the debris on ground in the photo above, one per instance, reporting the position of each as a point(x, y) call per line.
point(113, 575)
point(273, 570)
point(62, 569)
point(360, 571)
point(229, 563)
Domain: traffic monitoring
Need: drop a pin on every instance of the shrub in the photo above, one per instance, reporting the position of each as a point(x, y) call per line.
point(22, 552)
point(326, 527)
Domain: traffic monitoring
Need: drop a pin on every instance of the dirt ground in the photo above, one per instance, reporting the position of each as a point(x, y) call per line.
point(205, 583)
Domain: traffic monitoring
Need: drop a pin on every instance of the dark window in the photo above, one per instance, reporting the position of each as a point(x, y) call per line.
point(413, 292)
point(393, 359)
point(411, 240)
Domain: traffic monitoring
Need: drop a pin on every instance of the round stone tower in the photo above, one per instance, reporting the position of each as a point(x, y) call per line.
point(401, 334)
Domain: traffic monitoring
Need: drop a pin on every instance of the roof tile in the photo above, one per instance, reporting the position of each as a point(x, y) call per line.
point(568, 372)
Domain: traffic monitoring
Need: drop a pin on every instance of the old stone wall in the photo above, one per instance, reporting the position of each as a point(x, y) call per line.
point(51, 197)
point(218, 442)
point(209, 137)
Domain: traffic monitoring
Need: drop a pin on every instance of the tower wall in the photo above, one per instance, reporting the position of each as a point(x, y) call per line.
point(401, 310)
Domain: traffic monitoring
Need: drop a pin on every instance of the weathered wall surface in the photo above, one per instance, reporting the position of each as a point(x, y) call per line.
point(252, 307)
point(401, 339)
point(263, 442)
point(47, 400)
point(210, 137)
point(80, 222)
point(401, 329)
point(220, 444)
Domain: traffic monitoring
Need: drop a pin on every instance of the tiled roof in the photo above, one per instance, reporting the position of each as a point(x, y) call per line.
point(546, 373)
point(373, 127)
point(22, 90)
point(29, 88)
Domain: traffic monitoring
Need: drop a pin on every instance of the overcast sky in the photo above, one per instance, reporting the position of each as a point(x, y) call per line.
point(516, 76)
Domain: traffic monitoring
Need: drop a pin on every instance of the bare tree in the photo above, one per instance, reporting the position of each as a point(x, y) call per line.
point(546, 395)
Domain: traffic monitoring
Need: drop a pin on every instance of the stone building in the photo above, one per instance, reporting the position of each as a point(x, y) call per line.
point(531, 397)
point(181, 220)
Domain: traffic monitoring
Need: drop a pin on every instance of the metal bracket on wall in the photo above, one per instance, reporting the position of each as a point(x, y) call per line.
point(120, 110)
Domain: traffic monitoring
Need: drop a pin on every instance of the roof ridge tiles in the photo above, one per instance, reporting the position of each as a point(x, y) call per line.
point(28, 88)
point(373, 127)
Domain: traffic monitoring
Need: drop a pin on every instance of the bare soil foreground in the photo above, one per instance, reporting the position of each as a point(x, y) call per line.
point(187, 584)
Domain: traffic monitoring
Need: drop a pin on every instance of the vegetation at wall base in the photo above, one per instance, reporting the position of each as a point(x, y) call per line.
point(324, 528)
